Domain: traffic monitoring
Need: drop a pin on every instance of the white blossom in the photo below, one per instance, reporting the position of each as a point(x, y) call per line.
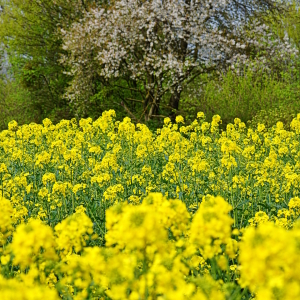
point(162, 44)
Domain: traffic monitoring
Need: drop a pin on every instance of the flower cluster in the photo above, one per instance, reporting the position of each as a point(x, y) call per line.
point(110, 210)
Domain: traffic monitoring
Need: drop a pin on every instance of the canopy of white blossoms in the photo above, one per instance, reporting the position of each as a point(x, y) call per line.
point(164, 44)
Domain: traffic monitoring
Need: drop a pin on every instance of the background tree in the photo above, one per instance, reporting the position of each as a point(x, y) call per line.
point(144, 53)
point(29, 32)
point(256, 95)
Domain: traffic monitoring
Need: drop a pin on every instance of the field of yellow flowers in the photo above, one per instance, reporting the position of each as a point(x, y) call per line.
point(111, 210)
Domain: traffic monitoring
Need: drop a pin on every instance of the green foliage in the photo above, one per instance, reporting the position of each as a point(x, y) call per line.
point(266, 98)
point(31, 34)
point(270, 117)
point(16, 104)
point(289, 23)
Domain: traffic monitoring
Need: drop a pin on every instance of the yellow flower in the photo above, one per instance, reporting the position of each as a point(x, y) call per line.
point(179, 119)
point(211, 226)
point(260, 127)
point(269, 258)
point(28, 241)
point(5, 259)
point(167, 121)
point(72, 232)
point(48, 177)
point(13, 126)
point(200, 115)
point(3, 168)
point(12, 289)
point(77, 187)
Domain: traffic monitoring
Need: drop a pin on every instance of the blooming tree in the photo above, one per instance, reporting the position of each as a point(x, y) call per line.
point(159, 46)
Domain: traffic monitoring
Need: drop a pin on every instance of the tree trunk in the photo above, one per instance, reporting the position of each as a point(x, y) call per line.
point(153, 108)
point(174, 103)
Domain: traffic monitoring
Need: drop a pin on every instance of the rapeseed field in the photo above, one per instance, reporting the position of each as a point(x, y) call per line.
point(110, 210)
